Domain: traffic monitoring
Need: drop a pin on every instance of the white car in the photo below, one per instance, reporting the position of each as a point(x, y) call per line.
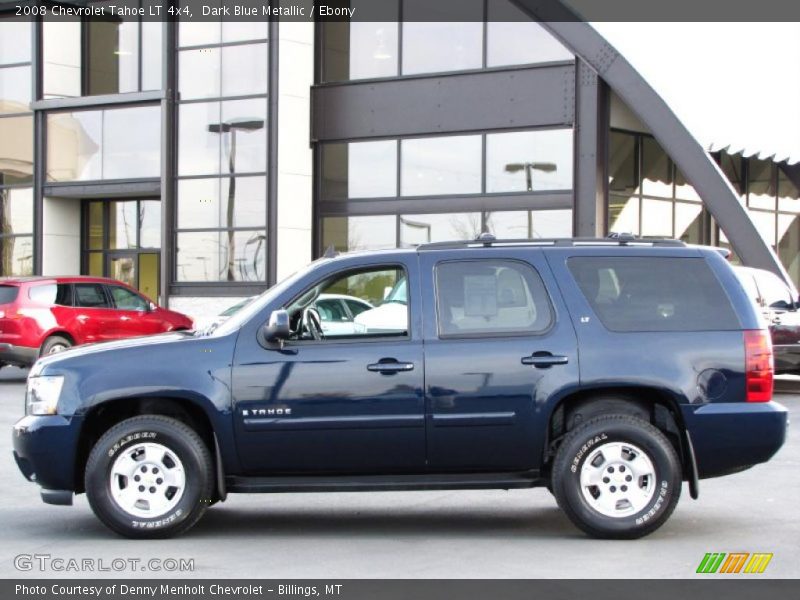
point(390, 316)
point(338, 313)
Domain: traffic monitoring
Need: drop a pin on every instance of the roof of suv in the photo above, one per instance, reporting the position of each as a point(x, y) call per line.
point(57, 279)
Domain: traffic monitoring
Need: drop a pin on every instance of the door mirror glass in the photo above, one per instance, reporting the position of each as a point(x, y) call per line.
point(152, 306)
point(278, 326)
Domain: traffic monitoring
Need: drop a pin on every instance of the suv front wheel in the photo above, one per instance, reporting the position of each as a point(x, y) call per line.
point(617, 476)
point(149, 477)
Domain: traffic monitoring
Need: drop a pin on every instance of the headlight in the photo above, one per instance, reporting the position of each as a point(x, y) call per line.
point(42, 394)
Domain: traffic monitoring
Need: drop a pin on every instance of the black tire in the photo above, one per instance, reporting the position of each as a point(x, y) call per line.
point(54, 344)
point(177, 438)
point(577, 448)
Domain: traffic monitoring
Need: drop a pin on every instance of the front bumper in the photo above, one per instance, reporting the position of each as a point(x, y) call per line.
point(734, 436)
point(45, 451)
point(18, 355)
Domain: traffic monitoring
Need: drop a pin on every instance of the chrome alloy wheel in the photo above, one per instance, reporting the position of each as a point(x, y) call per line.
point(147, 480)
point(618, 479)
point(56, 348)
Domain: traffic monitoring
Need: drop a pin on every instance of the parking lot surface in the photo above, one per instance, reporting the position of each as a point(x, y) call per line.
point(481, 534)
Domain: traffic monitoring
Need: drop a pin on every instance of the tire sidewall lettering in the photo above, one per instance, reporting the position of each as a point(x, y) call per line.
point(584, 449)
point(131, 437)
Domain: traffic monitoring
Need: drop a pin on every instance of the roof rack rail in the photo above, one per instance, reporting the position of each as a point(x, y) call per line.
point(487, 240)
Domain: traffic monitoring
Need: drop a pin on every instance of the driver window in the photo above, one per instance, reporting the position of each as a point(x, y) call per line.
point(353, 305)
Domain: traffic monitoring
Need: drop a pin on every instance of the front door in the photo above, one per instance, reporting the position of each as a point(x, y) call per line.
point(495, 353)
point(341, 401)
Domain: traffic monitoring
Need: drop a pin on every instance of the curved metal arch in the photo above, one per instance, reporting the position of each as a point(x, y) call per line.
point(694, 162)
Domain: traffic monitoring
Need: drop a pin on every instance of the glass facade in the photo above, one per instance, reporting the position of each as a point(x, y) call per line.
point(98, 57)
point(120, 143)
point(647, 195)
point(221, 215)
point(429, 42)
point(16, 150)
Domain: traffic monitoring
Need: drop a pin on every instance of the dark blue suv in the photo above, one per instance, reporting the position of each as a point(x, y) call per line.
point(609, 371)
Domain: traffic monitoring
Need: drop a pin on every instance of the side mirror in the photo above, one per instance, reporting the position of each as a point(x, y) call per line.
point(151, 306)
point(277, 329)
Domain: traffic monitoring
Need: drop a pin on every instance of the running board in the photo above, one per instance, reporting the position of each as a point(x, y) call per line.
point(385, 483)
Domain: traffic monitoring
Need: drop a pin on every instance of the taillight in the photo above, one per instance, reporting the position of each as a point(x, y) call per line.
point(758, 365)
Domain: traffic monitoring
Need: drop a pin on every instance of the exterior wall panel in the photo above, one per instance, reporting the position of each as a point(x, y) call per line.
point(514, 98)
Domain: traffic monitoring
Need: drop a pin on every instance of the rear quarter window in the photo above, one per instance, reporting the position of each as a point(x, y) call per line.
point(654, 294)
point(8, 293)
point(51, 293)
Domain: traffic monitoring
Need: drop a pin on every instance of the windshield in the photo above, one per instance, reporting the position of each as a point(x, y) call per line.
point(255, 306)
point(399, 293)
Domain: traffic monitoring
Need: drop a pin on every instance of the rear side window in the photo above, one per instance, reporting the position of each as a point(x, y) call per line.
point(90, 295)
point(483, 297)
point(51, 293)
point(8, 293)
point(654, 294)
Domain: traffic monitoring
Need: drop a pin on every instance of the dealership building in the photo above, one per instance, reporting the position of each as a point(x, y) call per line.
point(202, 162)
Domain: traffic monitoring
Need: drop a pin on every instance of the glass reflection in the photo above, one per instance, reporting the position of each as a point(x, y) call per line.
point(15, 42)
point(199, 73)
point(514, 39)
point(112, 60)
point(529, 161)
point(131, 145)
point(656, 170)
point(789, 245)
point(244, 70)
point(689, 222)
point(242, 31)
point(359, 170)
point(111, 144)
point(61, 50)
point(761, 191)
point(348, 234)
point(656, 218)
point(623, 215)
point(16, 206)
point(150, 224)
point(622, 178)
point(122, 225)
point(95, 233)
point(198, 147)
point(530, 224)
point(789, 188)
point(441, 165)
point(15, 89)
point(765, 224)
point(152, 47)
point(206, 203)
point(221, 256)
point(16, 256)
point(423, 229)
point(16, 150)
point(433, 43)
point(243, 135)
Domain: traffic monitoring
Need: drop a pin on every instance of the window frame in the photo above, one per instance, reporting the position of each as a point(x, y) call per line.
point(488, 334)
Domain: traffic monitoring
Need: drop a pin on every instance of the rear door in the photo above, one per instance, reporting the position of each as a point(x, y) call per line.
point(93, 314)
point(498, 348)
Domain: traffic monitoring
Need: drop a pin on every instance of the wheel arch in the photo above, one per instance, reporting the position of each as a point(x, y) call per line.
point(657, 406)
point(101, 417)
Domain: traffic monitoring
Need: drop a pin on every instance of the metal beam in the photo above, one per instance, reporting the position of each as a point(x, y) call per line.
point(694, 162)
point(591, 141)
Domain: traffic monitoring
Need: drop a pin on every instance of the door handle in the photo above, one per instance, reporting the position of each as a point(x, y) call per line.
point(544, 360)
point(390, 366)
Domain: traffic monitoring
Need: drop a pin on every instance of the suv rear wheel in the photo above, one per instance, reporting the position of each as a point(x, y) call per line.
point(149, 477)
point(617, 476)
point(54, 344)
